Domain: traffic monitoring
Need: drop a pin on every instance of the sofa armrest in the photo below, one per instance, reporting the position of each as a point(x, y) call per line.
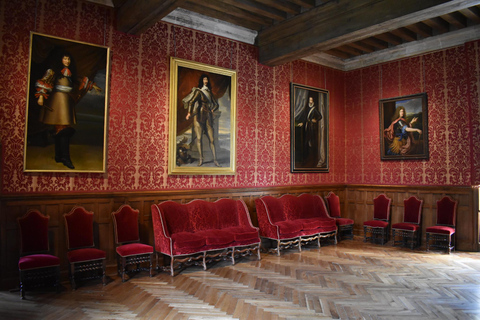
point(267, 228)
point(244, 215)
point(163, 242)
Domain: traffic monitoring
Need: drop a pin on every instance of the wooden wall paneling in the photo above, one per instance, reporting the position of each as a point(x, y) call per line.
point(356, 202)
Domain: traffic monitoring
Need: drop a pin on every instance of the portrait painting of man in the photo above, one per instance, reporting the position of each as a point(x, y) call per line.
point(309, 129)
point(203, 124)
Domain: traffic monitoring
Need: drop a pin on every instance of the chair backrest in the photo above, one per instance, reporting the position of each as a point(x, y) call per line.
point(333, 202)
point(79, 226)
point(33, 232)
point(125, 224)
point(412, 210)
point(381, 207)
point(446, 211)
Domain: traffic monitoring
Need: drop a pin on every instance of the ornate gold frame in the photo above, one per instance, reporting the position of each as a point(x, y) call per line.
point(183, 156)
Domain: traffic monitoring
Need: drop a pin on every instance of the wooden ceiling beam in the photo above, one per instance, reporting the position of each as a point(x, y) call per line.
point(258, 8)
point(222, 11)
point(405, 34)
point(134, 17)
point(350, 50)
point(456, 19)
point(304, 3)
point(472, 13)
point(389, 38)
point(360, 45)
point(325, 27)
point(338, 53)
point(422, 29)
point(438, 24)
point(283, 6)
point(377, 43)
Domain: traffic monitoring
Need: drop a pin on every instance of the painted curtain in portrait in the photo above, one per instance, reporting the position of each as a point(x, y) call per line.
point(404, 127)
point(309, 128)
point(202, 118)
point(67, 98)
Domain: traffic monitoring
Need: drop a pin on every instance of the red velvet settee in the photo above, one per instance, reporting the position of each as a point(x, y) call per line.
point(200, 232)
point(291, 220)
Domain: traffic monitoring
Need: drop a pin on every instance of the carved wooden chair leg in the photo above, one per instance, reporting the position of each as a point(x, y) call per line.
point(278, 248)
point(104, 275)
point(72, 276)
point(233, 256)
point(151, 265)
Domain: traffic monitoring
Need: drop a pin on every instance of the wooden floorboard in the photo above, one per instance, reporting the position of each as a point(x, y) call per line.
point(350, 280)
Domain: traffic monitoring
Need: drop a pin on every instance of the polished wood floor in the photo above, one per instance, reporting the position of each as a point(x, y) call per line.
point(351, 280)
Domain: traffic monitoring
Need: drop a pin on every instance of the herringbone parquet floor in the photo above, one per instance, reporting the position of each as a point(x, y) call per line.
point(351, 280)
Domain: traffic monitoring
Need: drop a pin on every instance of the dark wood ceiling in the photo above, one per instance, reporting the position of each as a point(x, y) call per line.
point(294, 29)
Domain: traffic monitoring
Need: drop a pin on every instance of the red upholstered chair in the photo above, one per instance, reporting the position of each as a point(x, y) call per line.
point(443, 233)
point(35, 264)
point(83, 258)
point(345, 226)
point(378, 227)
point(127, 239)
point(408, 232)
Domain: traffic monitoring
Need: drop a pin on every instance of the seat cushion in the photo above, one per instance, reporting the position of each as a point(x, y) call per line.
point(190, 240)
point(317, 223)
point(243, 234)
point(376, 224)
point(35, 261)
point(217, 237)
point(289, 227)
point(344, 221)
point(406, 226)
point(134, 249)
point(441, 230)
point(87, 254)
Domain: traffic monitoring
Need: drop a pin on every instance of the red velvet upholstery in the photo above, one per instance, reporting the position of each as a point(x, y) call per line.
point(201, 226)
point(35, 262)
point(79, 223)
point(443, 233)
point(85, 254)
point(125, 222)
point(345, 226)
point(33, 232)
point(408, 232)
point(333, 202)
point(381, 220)
point(82, 256)
point(446, 211)
point(412, 210)
point(381, 207)
point(129, 250)
point(134, 249)
point(291, 217)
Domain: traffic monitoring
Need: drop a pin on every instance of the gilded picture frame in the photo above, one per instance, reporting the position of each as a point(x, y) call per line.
point(67, 106)
point(404, 127)
point(202, 103)
point(309, 118)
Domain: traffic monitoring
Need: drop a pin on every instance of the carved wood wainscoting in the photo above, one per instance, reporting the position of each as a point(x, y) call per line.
point(359, 206)
point(356, 203)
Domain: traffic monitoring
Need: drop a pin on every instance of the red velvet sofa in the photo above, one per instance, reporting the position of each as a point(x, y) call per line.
point(291, 220)
point(200, 232)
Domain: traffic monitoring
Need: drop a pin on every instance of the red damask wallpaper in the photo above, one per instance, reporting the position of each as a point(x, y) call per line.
point(451, 79)
point(139, 103)
point(139, 107)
